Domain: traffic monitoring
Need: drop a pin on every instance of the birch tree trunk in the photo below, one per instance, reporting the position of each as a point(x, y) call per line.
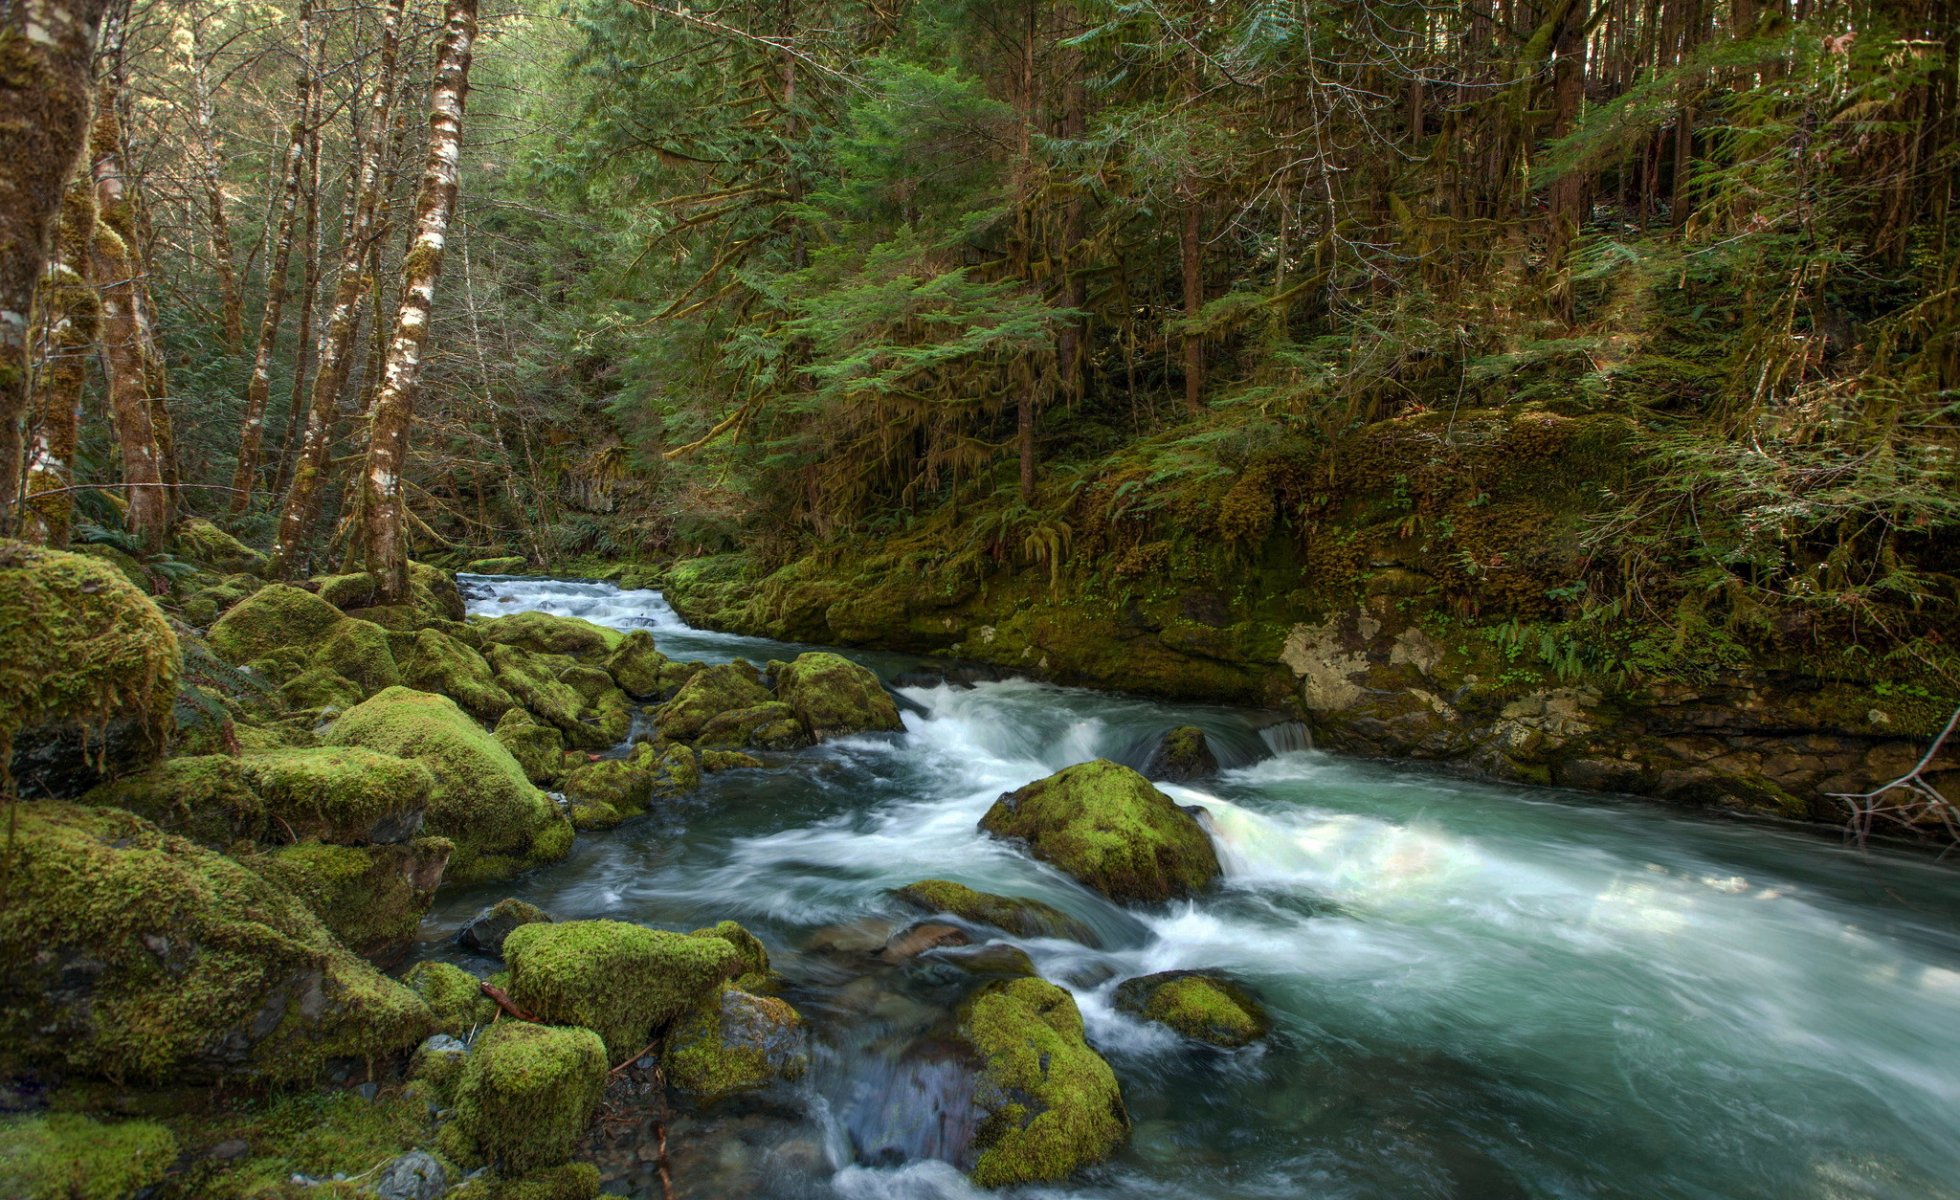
point(343, 326)
point(70, 323)
point(224, 259)
point(383, 520)
point(45, 46)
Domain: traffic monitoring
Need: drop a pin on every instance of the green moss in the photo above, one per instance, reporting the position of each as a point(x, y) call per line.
point(433, 661)
point(1016, 915)
point(543, 633)
point(205, 797)
point(203, 543)
point(1050, 1104)
point(635, 665)
point(79, 648)
point(206, 604)
point(832, 695)
point(539, 749)
point(1105, 825)
point(770, 726)
point(528, 1092)
point(316, 689)
point(727, 760)
point(454, 995)
point(567, 1181)
point(432, 596)
point(316, 1134)
point(133, 954)
point(724, 687)
point(607, 792)
point(512, 565)
point(625, 981)
point(487, 930)
point(1204, 1007)
point(1182, 755)
point(437, 1066)
point(373, 898)
point(755, 973)
point(735, 1042)
point(274, 618)
point(342, 794)
point(533, 680)
point(63, 1156)
point(482, 799)
point(359, 650)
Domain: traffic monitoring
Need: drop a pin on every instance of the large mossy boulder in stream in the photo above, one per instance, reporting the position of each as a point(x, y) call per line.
point(539, 749)
point(88, 671)
point(603, 794)
point(433, 661)
point(832, 696)
point(66, 1156)
point(527, 1093)
point(1048, 1104)
point(636, 666)
point(622, 980)
point(1105, 825)
point(545, 633)
point(482, 799)
point(131, 954)
point(1015, 914)
point(432, 596)
point(710, 692)
point(580, 701)
point(1203, 1007)
point(733, 1041)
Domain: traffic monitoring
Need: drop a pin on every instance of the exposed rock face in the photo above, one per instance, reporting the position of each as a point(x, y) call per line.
point(1105, 825)
point(1181, 756)
point(486, 931)
point(832, 696)
point(1207, 1008)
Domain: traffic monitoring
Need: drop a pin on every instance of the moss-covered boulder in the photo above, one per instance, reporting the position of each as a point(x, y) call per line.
point(88, 671)
point(539, 749)
point(770, 726)
point(1015, 914)
point(833, 696)
point(635, 665)
point(1048, 1104)
point(543, 633)
point(604, 793)
point(433, 661)
point(581, 702)
point(486, 931)
point(735, 1042)
point(513, 564)
point(320, 691)
point(206, 798)
point(1105, 825)
point(66, 1156)
point(133, 954)
point(1206, 1008)
point(727, 760)
point(201, 542)
point(1181, 755)
point(482, 799)
point(711, 691)
point(528, 1092)
point(755, 973)
point(206, 604)
point(341, 794)
point(277, 617)
point(373, 898)
point(432, 596)
point(623, 980)
point(454, 996)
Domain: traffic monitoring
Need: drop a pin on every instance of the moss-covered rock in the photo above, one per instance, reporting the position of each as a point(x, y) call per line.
point(321, 691)
point(711, 691)
point(727, 760)
point(373, 898)
point(1182, 755)
point(206, 798)
point(735, 1042)
point(453, 995)
point(274, 618)
point(486, 931)
point(566, 1181)
point(203, 543)
point(437, 1066)
point(482, 799)
point(543, 633)
point(433, 661)
point(88, 671)
point(625, 981)
point(341, 794)
point(528, 1092)
point(635, 665)
point(1049, 1104)
point(134, 954)
point(604, 793)
point(1105, 825)
point(514, 564)
point(206, 604)
point(359, 650)
point(1204, 1007)
point(770, 726)
point(755, 973)
point(66, 1156)
point(833, 696)
point(432, 596)
point(548, 686)
point(1015, 914)
point(539, 749)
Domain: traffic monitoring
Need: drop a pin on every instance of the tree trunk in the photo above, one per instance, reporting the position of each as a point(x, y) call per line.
point(223, 257)
point(44, 91)
point(302, 506)
point(383, 525)
point(1194, 301)
point(251, 431)
point(309, 295)
point(70, 319)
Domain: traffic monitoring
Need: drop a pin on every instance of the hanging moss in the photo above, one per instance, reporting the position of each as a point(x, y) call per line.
point(133, 954)
point(373, 898)
point(433, 661)
point(832, 696)
point(1204, 1007)
point(65, 1156)
point(454, 995)
point(1016, 915)
point(528, 1092)
point(482, 799)
point(623, 980)
point(1050, 1105)
point(1106, 826)
point(80, 649)
point(274, 618)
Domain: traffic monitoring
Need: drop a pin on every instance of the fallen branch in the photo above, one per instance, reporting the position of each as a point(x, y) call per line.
point(504, 1001)
point(1921, 800)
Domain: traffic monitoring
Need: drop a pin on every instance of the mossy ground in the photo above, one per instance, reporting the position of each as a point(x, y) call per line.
point(1105, 825)
point(66, 1156)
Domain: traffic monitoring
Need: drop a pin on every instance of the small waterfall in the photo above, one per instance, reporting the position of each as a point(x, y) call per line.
point(1287, 737)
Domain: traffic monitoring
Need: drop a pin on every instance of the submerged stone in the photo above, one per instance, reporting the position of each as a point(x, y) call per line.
point(1015, 914)
point(1201, 1006)
point(486, 931)
point(66, 1156)
point(832, 696)
point(1105, 825)
point(1182, 755)
point(528, 1092)
point(622, 980)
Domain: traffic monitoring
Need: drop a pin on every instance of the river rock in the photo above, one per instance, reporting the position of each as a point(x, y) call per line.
point(622, 980)
point(733, 1042)
point(539, 749)
point(486, 931)
point(1048, 1104)
point(1015, 914)
point(527, 1093)
point(454, 996)
point(914, 940)
point(1105, 825)
point(635, 665)
point(1181, 756)
point(711, 691)
point(833, 696)
point(1204, 1007)
point(416, 1175)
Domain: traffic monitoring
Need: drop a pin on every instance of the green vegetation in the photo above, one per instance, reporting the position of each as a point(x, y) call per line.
point(1105, 825)
point(1200, 1006)
point(527, 1093)
point(1027, 918)
point(623, 981)
point(61, 1156)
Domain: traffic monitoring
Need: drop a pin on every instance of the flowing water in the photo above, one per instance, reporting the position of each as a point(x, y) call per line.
point(1480, 990)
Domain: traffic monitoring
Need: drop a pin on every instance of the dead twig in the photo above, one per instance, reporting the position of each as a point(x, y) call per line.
point(1920, 801)
point(504, 1001)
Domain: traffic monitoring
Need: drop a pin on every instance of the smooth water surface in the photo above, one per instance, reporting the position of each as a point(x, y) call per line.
point(1481, 990)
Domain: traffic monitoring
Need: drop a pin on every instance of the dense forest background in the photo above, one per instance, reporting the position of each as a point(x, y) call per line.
point(1628, 326)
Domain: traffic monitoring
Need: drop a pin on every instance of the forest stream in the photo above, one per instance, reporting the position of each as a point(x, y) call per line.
point(1478, 990)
